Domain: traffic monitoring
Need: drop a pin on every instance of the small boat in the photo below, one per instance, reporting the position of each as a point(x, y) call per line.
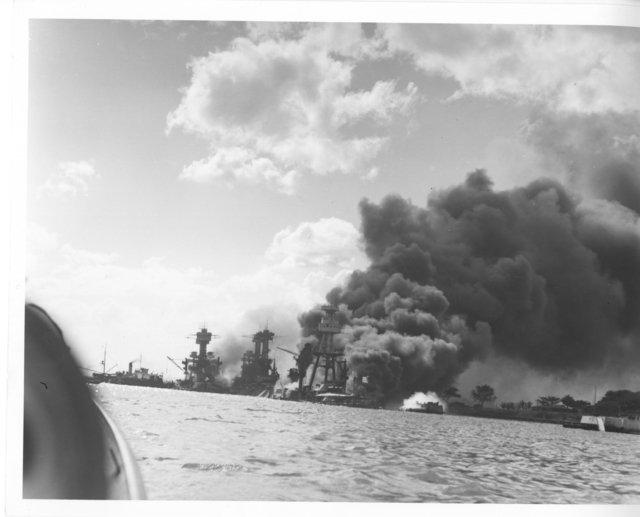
point(335, 399)
point(123, 479)
point(628, 425)
point(588, 423)
point(429, 407)
point(71, 448)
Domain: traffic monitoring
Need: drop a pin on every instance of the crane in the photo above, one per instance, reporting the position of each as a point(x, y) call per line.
point(177, 365)
point(288, 351)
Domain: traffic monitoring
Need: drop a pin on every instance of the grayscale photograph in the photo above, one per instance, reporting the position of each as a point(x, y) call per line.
point(331, 262)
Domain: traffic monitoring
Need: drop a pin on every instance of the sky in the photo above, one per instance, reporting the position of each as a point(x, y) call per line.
point(188, 172)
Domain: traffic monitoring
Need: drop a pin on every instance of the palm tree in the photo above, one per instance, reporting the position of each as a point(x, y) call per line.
point(450, 392)
point(482, 394)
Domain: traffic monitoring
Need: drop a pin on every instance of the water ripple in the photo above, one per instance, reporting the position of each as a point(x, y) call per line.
point(289, 451)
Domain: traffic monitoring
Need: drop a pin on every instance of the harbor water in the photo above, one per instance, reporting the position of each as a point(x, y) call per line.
point(205, 446)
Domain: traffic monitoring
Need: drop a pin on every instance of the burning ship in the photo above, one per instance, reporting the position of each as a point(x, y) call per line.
point(328, 381)
point(433, 408)
point(259, 373)
point(203, 370)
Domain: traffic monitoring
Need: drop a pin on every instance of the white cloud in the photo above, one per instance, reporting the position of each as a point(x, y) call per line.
point(596, 154)
point(86, 257)
point(383, 102)
point(69, 178)
point(278, 106)
point(321, 282)
point(327, 242)
point(371, 175)
point(574, 69)
point(243, 164)
point(148, 309)
point(260, 31)
point(581, 85)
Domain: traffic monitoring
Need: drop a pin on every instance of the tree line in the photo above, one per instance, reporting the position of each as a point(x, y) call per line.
point(613, 402)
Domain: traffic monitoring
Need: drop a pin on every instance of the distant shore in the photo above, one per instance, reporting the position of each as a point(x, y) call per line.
point(540, 417)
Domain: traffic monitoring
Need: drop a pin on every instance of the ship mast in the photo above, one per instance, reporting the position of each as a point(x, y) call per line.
point(327, 357)
point(200, 367)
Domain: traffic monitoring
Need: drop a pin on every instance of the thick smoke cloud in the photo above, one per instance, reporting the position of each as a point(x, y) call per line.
point(231, 347)
point(534, 274)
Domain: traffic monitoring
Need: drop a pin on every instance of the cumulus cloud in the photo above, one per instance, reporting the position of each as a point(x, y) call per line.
point(148, 308)
point(69, 178)
point(596, 154)
point(327, 242)
point(278, 104)
point(243, 164)
point(572, 69)
point(580, 83)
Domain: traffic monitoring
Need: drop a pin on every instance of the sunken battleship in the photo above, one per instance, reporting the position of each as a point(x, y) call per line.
point(321, 374)
point(327, 383)
point(259, 373)
point(202, 369)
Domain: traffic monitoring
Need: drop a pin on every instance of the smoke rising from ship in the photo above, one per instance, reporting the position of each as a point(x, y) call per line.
point(534, 274)
point(232, 345)
point(417, 399)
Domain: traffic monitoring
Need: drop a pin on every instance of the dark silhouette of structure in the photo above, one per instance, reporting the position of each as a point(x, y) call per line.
point(201, 368)
point(259, 373)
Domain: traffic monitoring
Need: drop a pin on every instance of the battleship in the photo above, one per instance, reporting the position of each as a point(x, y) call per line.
point(202, 369)
point(328, 380)
point(259, 374)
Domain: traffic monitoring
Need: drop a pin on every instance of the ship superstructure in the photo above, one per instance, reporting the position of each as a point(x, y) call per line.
point(202, 367)
point(328, 359)
point(139, 377)
point(330, 372)
point(258, 373)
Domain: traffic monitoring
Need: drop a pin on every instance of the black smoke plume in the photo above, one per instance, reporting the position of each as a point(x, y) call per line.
point(533, 274)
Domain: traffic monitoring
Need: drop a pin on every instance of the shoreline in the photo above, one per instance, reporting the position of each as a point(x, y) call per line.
point(612, 424)
point(538, 417)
